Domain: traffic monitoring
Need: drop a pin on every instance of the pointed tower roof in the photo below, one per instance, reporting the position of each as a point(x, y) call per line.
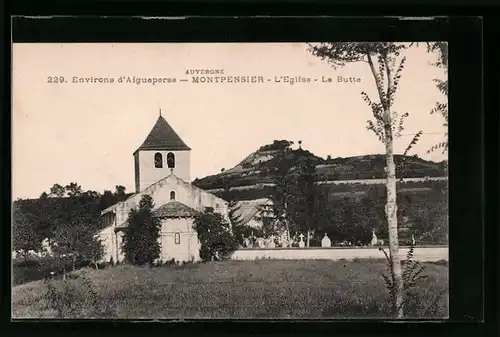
point(163, 137)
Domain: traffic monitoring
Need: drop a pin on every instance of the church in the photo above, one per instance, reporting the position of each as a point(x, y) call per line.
point(162, 171)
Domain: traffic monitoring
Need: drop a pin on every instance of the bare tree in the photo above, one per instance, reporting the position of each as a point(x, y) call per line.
point(386, 65)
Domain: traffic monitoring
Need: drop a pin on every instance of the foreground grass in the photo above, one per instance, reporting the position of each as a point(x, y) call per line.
point(241, 289)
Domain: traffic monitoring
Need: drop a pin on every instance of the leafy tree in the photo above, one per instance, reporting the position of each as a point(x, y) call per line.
point(239, 229)
point(73, 189)
point(294, 196)
point(348, 222)
point(120, 193)
point(304, 206)
point(55, 211)
point(69, 222)
point(51, 210)
point(281, 193)
point(353, 218)
point(386, 66)
point(441, 49)
point(24, 233)
point(75, 224)
point(109, 198)
point(141, 245)
point(57, 191)
point(214, 232)
point(94, 252)
point(429, 221)
point(79, 243)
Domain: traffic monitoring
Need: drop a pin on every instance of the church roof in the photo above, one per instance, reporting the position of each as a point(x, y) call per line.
point(133, 200)
point(163, 137)
point(174, 209)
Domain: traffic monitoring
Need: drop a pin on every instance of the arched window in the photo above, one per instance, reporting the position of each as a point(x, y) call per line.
point(172, 195)
point(170, 160)
point(177, 237)
point(158, 160)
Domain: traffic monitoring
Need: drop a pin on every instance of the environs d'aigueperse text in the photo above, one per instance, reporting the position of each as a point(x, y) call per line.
point(205, 76)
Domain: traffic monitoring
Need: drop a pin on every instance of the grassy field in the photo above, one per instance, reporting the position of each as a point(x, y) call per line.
point(234, 289)
point(34, 268)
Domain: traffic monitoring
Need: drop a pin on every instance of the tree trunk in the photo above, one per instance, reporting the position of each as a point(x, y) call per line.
point(391, 209)
point(74, 262)
point(308, 237)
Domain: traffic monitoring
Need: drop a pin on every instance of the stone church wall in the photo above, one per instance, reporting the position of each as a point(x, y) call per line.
point(149, 174)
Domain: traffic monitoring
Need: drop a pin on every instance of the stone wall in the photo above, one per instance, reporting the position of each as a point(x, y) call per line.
point(424, 254)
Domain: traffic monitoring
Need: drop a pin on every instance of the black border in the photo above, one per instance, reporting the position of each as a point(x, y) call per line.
point(226, 29)
point(466, 152)
point(252, 7)
point(492, 168)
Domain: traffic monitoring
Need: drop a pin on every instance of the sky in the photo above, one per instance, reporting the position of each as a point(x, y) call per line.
point(87, 132)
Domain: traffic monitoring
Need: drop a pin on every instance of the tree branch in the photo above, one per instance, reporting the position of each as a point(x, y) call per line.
point(387, 116)
point(375, 76)
point(389, 79)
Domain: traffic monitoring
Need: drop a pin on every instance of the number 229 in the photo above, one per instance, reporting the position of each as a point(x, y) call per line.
point(55, 79)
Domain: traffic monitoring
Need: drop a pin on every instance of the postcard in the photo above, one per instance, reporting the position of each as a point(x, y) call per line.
point(230, 180)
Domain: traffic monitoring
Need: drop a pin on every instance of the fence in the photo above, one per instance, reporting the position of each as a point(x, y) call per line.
point(421, 253)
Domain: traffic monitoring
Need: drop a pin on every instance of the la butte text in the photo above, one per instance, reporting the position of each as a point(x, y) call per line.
point(341, 79)
point(324, 79)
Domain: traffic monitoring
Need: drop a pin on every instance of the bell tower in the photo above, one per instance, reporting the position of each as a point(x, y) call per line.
point(161, 154)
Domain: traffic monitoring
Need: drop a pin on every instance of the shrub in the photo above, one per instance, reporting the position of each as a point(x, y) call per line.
point(141, 244)
point(214, 232)
point(414, 306)
point(43, 268)
point(180, 265)
point(76, 297)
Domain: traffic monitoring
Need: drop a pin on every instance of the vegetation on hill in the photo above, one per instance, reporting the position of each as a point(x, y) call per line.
point(260, 167)
point(67, 216)
point(345, 211)
point(351, 211)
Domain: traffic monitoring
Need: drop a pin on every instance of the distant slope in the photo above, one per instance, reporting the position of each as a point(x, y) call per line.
point(343, 190)
point(373, 167)
point(257, 168)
